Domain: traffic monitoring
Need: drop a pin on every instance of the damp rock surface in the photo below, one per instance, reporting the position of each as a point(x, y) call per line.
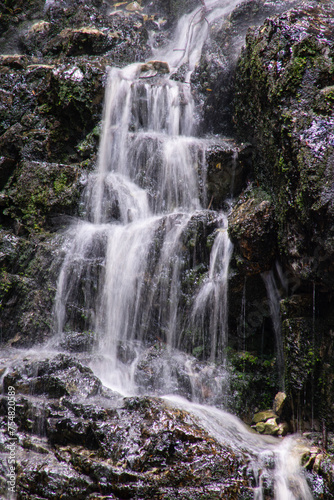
point(77, 438)
point(81, 440)
point(285, 71)
point(283, 107)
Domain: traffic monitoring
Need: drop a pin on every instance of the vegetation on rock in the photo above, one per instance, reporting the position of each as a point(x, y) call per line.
point(281, 91)
point(282, 107)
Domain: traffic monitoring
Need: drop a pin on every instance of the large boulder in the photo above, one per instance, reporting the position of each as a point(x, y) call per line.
point(252, 228)
point(29, 270)
point(81, 440)
point(40, 190)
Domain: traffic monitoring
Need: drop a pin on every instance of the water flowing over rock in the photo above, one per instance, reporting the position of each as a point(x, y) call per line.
point(147, 136)
point(145, 254)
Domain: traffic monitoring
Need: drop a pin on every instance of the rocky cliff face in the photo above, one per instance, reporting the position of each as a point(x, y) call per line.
point(52, 78)
point(275, 102)
point(283, 106)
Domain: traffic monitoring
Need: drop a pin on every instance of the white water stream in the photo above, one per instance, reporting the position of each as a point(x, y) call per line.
point(123, 264)
point(274, 308)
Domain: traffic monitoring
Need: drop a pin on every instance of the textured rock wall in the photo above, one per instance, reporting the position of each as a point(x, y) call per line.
point(52, 77)
point(283, 106)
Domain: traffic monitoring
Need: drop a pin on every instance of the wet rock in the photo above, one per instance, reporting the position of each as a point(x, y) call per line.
point(133, 7)
point(302, 362)
point(283, 429)
point(309, 350)
point(6, 169)
point(41, 190)
point(166, 371)
point(266, 422)
point(153, 68)
point(281, 74)
point(263, 416)
point(214, 76)
point(11, 141)
point(269, 427)
point(78, 341)
point(14, 17)
point(297, 306)
point(28, 284)
point(40, 124)
point(48, 476)
point(228, 168)
point(151, 368)
point(15, 61)
point(252, 228)
point(170, 9)
point(85, 448)
point(92, 29)
point(54, 377)
point(279, 403)
point(252, 379)
point(8, 247)
point(84, 40)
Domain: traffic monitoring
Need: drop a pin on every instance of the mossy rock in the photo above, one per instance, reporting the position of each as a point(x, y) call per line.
point(263, 416)
point(252, 229)
point(253, 383)
point(41, 190)
point(280, 78)
point(29, 271)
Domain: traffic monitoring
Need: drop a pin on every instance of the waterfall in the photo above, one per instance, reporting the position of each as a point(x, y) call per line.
point(272, 464)
point(124, 261)
point(121, 275)
point(212, 296)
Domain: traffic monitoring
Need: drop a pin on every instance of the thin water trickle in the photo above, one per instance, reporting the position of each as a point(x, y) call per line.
point(191, 33)
point(242, 320)
point(211, 301)
point(274, 307)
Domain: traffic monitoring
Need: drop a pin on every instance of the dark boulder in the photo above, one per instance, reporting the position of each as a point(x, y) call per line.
point(79, 443)
point(252, 228)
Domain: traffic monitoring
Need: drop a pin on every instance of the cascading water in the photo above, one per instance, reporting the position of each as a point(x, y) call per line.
point(148, 187)
point(212, 295)
point(123, 263)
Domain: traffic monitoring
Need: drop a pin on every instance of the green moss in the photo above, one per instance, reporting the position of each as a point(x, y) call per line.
point(89, 145)
point(283, 168)
point(303, 364)
point(40, 189)
point(329, 95)
point(60, 184)
point(291, 80)
point(253, 381)
point(5, 284)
